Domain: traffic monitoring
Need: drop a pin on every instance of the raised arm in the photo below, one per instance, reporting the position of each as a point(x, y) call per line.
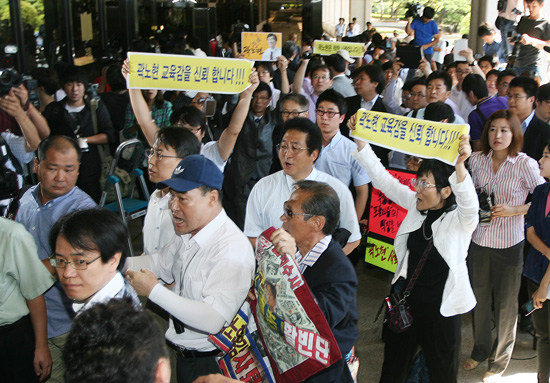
point(34, 114)
point(464, 151)
point(228, 138)
point(141, 109)
point(11, 104)
point(299, 76)
point(282, 64)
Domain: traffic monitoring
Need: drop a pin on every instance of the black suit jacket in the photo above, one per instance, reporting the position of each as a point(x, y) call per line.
point(535, 138)
point(333, 282)
point(354, 104)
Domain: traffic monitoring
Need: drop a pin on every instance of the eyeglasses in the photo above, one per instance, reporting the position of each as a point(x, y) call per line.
point(421, 184)
point(292, 149)
point(79, 264)
point(516, 96)
point(181, 124)
point(289, 213)
point(199, 101)
point(287, 113)
point(460, 71)
point(417, 95)
point(321, 78)
point(329, 113)
point(149, 153)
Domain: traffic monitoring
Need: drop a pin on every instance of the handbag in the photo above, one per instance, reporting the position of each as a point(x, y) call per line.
point(398, 316)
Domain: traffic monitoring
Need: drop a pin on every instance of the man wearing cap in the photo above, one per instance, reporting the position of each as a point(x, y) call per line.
point(339, 62)
point(210, 263)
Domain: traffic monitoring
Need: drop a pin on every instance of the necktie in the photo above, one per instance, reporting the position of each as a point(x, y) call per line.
point(271, 56)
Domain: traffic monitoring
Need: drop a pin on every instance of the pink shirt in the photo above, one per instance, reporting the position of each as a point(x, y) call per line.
point(515, 179)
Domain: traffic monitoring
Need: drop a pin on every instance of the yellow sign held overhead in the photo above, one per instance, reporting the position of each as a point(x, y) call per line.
point(261, 45)
point(177, 72)
point(421, 138)
point(326, 48)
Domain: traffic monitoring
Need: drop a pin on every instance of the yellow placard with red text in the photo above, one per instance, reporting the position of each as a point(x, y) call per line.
point(381, 254)
point(326, 48)
point(178, 72)
point(421, 138)
point(261, 45)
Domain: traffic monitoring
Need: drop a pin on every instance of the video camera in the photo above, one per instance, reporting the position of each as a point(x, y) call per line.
point(414, 10)
point(10, 78)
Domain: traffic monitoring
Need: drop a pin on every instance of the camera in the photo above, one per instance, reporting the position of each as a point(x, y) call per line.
point(82, 144)
point(414, 10)
point(9, 78)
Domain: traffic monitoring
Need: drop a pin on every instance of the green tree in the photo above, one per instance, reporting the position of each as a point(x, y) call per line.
point(29, 12)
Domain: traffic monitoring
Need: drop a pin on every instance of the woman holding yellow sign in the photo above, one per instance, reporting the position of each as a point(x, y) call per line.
point(504, 177)
point(431, 248)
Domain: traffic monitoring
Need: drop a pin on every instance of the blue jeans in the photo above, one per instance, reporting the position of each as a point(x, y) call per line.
point(505, 27)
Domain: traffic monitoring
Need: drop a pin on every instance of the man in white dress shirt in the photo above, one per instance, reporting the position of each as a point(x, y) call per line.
point(210, 262)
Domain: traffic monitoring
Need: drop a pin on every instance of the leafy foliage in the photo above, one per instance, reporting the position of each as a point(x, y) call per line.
point(32, 12)
point(447, 12)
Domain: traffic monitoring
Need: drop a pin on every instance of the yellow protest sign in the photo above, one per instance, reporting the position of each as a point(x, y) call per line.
point(381, 254)
point(421, 138)
point(177, 72)
point(326, 48)
point(261, 45)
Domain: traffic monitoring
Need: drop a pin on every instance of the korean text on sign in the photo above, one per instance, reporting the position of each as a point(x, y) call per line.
point(177, 72)
point(326, 48)
point(426, 139)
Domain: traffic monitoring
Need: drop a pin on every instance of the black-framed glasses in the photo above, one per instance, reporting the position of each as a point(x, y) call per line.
point(79, 264)
point(199, 101)
point(158, 155)
point(329, 113)
point(516, 96)
point(287, 113)
point(289, 213)
point(289, 148)
point(419, 184)
point(421, 95)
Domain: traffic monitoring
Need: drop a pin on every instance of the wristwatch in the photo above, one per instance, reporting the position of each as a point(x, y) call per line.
point(473, 63)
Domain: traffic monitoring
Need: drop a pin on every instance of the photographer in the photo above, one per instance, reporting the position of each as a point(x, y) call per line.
point(535, 35)
point(73, 117)
point(424, 30)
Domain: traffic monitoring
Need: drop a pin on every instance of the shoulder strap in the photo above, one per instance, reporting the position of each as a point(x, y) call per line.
point(481, 115)
point(418, 269)
point(9, 154)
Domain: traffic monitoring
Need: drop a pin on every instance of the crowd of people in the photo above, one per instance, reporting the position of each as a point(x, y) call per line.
point(280, 154)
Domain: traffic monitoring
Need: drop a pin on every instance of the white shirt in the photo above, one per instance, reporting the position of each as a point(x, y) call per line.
point(114, 289)
point(158, 228)
point(336, 160)
point(420, 116)
point(215, 266)
point(210, 150)
point(265, 203)
point(369, 104)
point(451, 232)
point(464, 106)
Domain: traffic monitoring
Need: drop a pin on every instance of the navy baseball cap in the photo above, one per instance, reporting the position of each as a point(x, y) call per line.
point(193, 172)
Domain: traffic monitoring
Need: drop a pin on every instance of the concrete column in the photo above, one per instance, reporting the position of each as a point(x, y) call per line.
point(362, 10)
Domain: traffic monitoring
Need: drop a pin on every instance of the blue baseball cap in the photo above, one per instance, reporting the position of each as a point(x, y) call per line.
point(193, 172)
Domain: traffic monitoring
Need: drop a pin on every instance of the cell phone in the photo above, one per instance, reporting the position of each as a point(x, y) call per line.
point(528, 308)
point(210, 107)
